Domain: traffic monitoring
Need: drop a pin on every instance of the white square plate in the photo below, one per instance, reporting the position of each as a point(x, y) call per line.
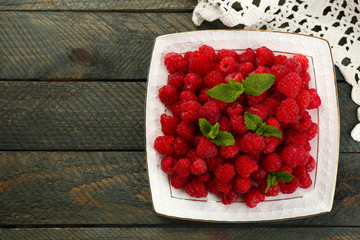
point(325, 147)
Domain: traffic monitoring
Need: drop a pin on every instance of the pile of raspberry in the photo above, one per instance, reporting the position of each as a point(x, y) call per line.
point(239, 171)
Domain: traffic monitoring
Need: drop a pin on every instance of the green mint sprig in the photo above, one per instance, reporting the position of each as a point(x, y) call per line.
point(279, 176)
point(212, 132)
point(254, 84)
point(254, 123)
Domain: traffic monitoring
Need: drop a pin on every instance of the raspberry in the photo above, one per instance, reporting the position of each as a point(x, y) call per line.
point(271, 105)
point(279, 59)
point(265, 57)
point(307, 147)
point(192, 155)
point(304, 122)
point(259, 175)
point(289, 85)
point(286, 169)
point(213, 79)
point(303, 99)
point(238, 77)
point(294, 137)
point(175, 109)
point(186, 130)
point(210, 111)
point(312, 131)
point(272, 191)
point(293, 65)
point(227, 65)
point(306, 182)
point(271, 163)
point(224, 124)
point(190, 111)
point(193, 82)
point(259, 110)
point(206, 149)
point(242, 185)
point(168, 124)
point(304, 62)
point(212, 163)
point(199, 167)
point(279, 71)
point(253, 197)
point(245, 166)
point(196, 188)
point(289, 187)
point(187, 96)
point(293, 155)
point(310, 165)
point(315, 100)
point(168, 94)
point(222, 105)
point(260, 69)
point(163, 144)
point(252, 143)
point(273, 122)
point(211, 186)
point(237, 124)
point(167, 165)
point(176, 80)
point(179, 182)
point(248, 56)
point(200, 63)
point(234, 109)
point(229, 197)
point(225, 172)
point(305, 79)
point(203, 97)
point(174, 62)
point(208, 51)
point(300, 173)
point(204, 177)
point(223, 53)
point(245, 68)
point(255, 100)
point(182, 167)
point(181, 146)
point(223, 186)
point(288, 111)
point(229, 151)
point(271, 144)
point(188, 55)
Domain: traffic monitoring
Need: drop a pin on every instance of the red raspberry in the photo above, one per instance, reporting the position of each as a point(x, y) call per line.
point(306, 182)
point(179, 182)
point(182, 167)
point(293, 65)
point(176, 80)
point(260, 69)
point(286, 169)
point(193, 82)
point(294, 137)
point(224, 187)
point(188, 55)
point(168, 124)
point(213, 79)
point(174, 62)
point(181, 146)
point(253, 197)
point(315, 100)
point(224, 124)
point(307, 147)
point(229, 151)
point(192, 155)
point(226, 65)
point(229, 197)
point(271, 105)
point(271, 144)
point(203, 97)
point(163, 144)
point(205, 176)
point(305, 79)
point(271, 163)
point(289, 85)
point(222, 105)
point(199, 167)
point(279, 59)
point(245, 68)
point(234, 109)
point(237, 124)
point(168, 94)
point(223, 53)
point(312, 131)
point(272, 191)
point(293, 155)
point(200, 63)
point(304, 122)
point(242, 185)
point(211, 186)
point(304, 62)
point(196, 188)
point(175, 109)
point(310, 165)
point(252, 143)
point(289, 187)
point(300, 173)
point(255, 100)
point(212, 163)
point(208, 51)
point(259, 110)
point(248, 56)
point(279, 71)
point(265, 57)
point(206, 149)
point(190, 111)
point(259, 175)
point(288, 111)
point(303, 99)
point(187, 96)
point(167, 165)
point(277, 95)
point(245, 166)
point(225, 172)
point(238, 77)
point(210, 111)
point(186, 130)
point(273, 122)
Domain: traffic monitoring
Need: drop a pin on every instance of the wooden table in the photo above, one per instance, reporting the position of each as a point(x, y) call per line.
point(72, 161)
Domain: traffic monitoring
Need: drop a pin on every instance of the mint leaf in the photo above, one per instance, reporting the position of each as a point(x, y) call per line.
point(269, 130)
point(226, 92)
point(223, 139)
point(205, 126)
point(260, 129)
point(252, 121)
point(256, 84)
point(283, 176)
point(214, 131)
point(271, 180)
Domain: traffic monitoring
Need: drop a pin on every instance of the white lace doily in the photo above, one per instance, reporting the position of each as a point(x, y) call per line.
point(338, 21)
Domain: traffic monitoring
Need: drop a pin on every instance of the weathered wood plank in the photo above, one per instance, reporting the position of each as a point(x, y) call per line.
point(183, 233)
point(112, 188)
point(97, 116)
point(98, 5)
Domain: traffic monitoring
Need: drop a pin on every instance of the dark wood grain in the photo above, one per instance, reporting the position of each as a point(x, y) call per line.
point(180, 233)
point(112, 188)
point(97, 116)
